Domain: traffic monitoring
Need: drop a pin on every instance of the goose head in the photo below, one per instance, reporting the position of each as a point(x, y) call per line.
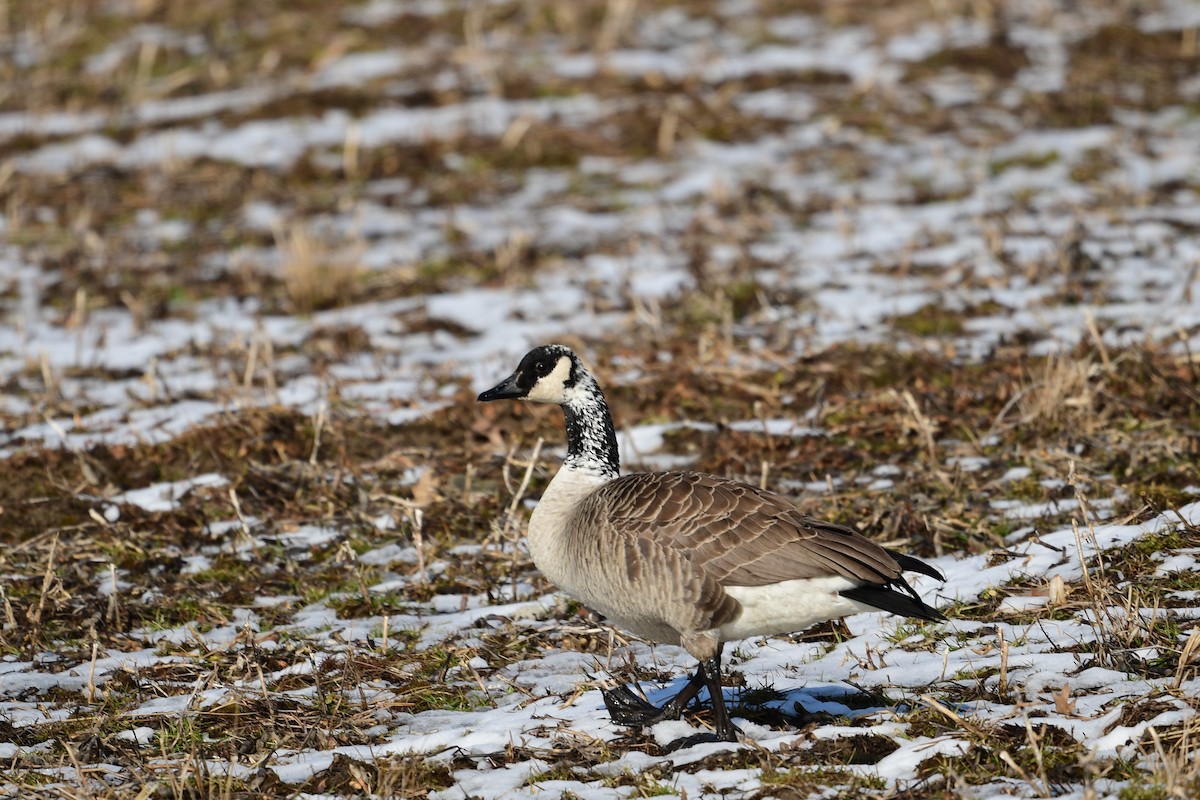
point(551, 373)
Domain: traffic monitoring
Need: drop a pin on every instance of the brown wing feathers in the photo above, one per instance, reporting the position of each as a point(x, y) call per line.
point(740, 535)
point(732, 534)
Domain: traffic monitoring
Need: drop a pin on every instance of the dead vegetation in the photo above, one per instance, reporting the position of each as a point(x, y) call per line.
point(919, 439)
point(61, 599)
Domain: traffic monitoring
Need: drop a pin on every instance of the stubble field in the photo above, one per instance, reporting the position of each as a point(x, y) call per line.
point(930, 268)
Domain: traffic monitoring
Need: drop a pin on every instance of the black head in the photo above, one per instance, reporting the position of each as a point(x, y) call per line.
point(547, 374)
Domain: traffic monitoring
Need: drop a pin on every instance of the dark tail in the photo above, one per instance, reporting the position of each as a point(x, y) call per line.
point(896, 596)
point(886, 598)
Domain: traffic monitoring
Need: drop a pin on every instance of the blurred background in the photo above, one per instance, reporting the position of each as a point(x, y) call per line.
point(288, 200)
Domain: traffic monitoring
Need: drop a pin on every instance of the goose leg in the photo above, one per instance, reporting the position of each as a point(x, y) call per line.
point(725, 730)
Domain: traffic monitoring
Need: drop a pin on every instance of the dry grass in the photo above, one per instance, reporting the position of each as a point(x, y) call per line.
point(1062, 395)
point(1100, 428)
point(316, 275)
point(56, 603)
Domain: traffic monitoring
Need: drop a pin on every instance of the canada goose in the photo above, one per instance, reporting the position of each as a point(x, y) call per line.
point(685, 558)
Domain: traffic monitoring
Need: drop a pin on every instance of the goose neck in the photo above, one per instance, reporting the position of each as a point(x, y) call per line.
point(591, 439)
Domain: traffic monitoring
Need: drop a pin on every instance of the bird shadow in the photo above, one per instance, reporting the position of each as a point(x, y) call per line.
point(765, 705)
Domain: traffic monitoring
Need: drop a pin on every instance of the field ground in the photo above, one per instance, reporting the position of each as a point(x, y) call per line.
point(930, 268)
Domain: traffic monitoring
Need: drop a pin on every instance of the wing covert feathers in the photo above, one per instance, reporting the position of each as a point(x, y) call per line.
point(734, 532)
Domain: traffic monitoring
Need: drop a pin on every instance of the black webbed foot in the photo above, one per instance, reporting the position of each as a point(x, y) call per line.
point(627, 707)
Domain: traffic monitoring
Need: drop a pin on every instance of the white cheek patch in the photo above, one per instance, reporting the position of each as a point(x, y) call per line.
point(552, 387)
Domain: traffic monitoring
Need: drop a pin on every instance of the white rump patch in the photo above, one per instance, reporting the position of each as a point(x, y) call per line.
point(789, 606)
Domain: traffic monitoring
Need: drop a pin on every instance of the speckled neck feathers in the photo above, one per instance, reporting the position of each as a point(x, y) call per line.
point(591, 440)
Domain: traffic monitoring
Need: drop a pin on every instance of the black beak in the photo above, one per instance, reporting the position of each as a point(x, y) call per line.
point(507, 389)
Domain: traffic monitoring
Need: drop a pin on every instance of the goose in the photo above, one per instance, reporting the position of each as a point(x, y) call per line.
point(686, 558)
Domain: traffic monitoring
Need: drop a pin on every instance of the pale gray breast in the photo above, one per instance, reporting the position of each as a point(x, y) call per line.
point(646, 575)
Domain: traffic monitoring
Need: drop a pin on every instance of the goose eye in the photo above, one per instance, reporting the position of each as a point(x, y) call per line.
point(542, 368)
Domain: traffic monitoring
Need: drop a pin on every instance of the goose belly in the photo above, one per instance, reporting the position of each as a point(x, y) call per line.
point(647, 627)
point(580, 567)
point(627, 613)
point(602, 584)
point(788, 606)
